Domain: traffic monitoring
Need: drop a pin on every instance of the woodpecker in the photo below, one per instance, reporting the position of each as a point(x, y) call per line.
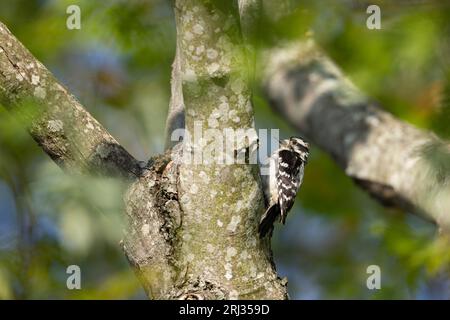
point(286, 168)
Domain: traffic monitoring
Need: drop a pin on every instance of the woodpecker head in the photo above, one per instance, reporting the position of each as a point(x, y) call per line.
point(297, 145)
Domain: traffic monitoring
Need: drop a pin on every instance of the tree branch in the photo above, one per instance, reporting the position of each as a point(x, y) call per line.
point(54, 118)
point(397, 163)
point(250, 14)
point(175, 116)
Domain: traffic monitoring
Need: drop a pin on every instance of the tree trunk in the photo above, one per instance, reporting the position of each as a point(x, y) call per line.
point(210, 210)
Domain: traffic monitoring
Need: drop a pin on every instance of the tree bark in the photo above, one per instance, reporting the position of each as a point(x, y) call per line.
point(398, 164)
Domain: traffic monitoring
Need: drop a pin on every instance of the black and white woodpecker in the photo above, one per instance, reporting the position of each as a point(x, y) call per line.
point(286, 168)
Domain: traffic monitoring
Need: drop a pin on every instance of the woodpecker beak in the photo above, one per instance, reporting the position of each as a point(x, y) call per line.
point(281, 143)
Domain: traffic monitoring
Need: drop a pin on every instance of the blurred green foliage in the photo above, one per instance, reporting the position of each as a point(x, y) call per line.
point(118, 65)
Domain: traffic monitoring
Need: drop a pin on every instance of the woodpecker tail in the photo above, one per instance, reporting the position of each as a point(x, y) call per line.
point(268, 219)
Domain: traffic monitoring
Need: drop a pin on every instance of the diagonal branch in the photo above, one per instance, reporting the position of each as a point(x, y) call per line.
point(54, 118)
point(397, 163)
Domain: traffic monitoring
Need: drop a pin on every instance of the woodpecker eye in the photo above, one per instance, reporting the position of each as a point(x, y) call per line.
point(299, 146)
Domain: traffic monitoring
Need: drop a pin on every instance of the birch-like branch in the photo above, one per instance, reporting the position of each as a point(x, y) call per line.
point(54, 118)
point(397, 163)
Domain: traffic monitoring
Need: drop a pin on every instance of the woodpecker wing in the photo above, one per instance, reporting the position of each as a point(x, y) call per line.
point(288, 180)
